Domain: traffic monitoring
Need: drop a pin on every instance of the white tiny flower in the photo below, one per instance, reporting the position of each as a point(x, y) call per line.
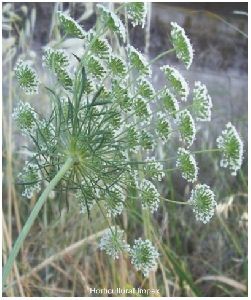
point(231, 145)
point(149, 195)
point(113, 242)
point(177, 81)
point(203, 201)
point(202, 103)
point(181, 44)
point(187, 164)
point(144, 256)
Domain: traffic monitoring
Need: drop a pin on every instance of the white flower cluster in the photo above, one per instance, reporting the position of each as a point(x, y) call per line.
point(99, 46)
point(117, 66)
point(138, 61)
point(153, 169)
point(177, 81)
point(57, 61)
point(231, 145)
point(137, 13)
point(31, 178)
point(145, 89)
point(203, 201)
point(132, 138)
point(70, 26)
point(163, 126)
point(144, 256)
point(202, 103)
point(187, 165)
point(149, 195)
point(146, 140)
point(25, 117)
point(186, 127)
point(181, 44)
point(112, 21)
point(113, 242)
point(142, 109)
point(114, 201)
point(170, 103)
point(95, 67)
point(27, 77)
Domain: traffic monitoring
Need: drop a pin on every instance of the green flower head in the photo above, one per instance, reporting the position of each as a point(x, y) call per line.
point(149, 195)
point(186, 127)
point(187, 165)
point(202, 103)
point(231, 145)
point(113, 242)
point(70, 27)
point(25, 117)
point(177, 81)
point(137, 13)
point(144, 256)
point(181, 44)
point(26, 77)
point(203, 201)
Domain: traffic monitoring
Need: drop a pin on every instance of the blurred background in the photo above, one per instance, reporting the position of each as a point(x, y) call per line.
point(60, 256)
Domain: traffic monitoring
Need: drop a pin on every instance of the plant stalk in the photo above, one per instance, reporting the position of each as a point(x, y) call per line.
point(15, 250)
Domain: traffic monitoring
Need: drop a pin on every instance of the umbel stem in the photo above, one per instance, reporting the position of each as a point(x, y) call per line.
point(15, 250)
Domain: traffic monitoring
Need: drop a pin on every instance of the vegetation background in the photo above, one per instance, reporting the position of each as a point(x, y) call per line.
point(60, 256)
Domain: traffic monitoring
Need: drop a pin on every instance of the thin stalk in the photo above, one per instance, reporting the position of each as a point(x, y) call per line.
point(32, 218)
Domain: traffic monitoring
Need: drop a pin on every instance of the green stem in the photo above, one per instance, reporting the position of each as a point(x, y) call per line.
point(161, 55)
point(207, 150)
point(15, 250)
point(173, 201)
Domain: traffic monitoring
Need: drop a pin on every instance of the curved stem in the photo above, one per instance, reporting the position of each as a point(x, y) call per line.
point(174, 201)
point(15, 250)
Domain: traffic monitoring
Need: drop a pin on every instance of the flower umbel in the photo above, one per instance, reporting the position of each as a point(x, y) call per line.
point(203, 201)
point(186, 127)
point(25, 117)
point(113, 242)
point(177, 81)
point(70, 26)
point(187, 164)
point(202, 103)
point(149, 195)
point(31, 178)
point(26, 77)
point(137, 13)
point(153, 169)
point(144, 256)
point(231, 145)
point(181, 44)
